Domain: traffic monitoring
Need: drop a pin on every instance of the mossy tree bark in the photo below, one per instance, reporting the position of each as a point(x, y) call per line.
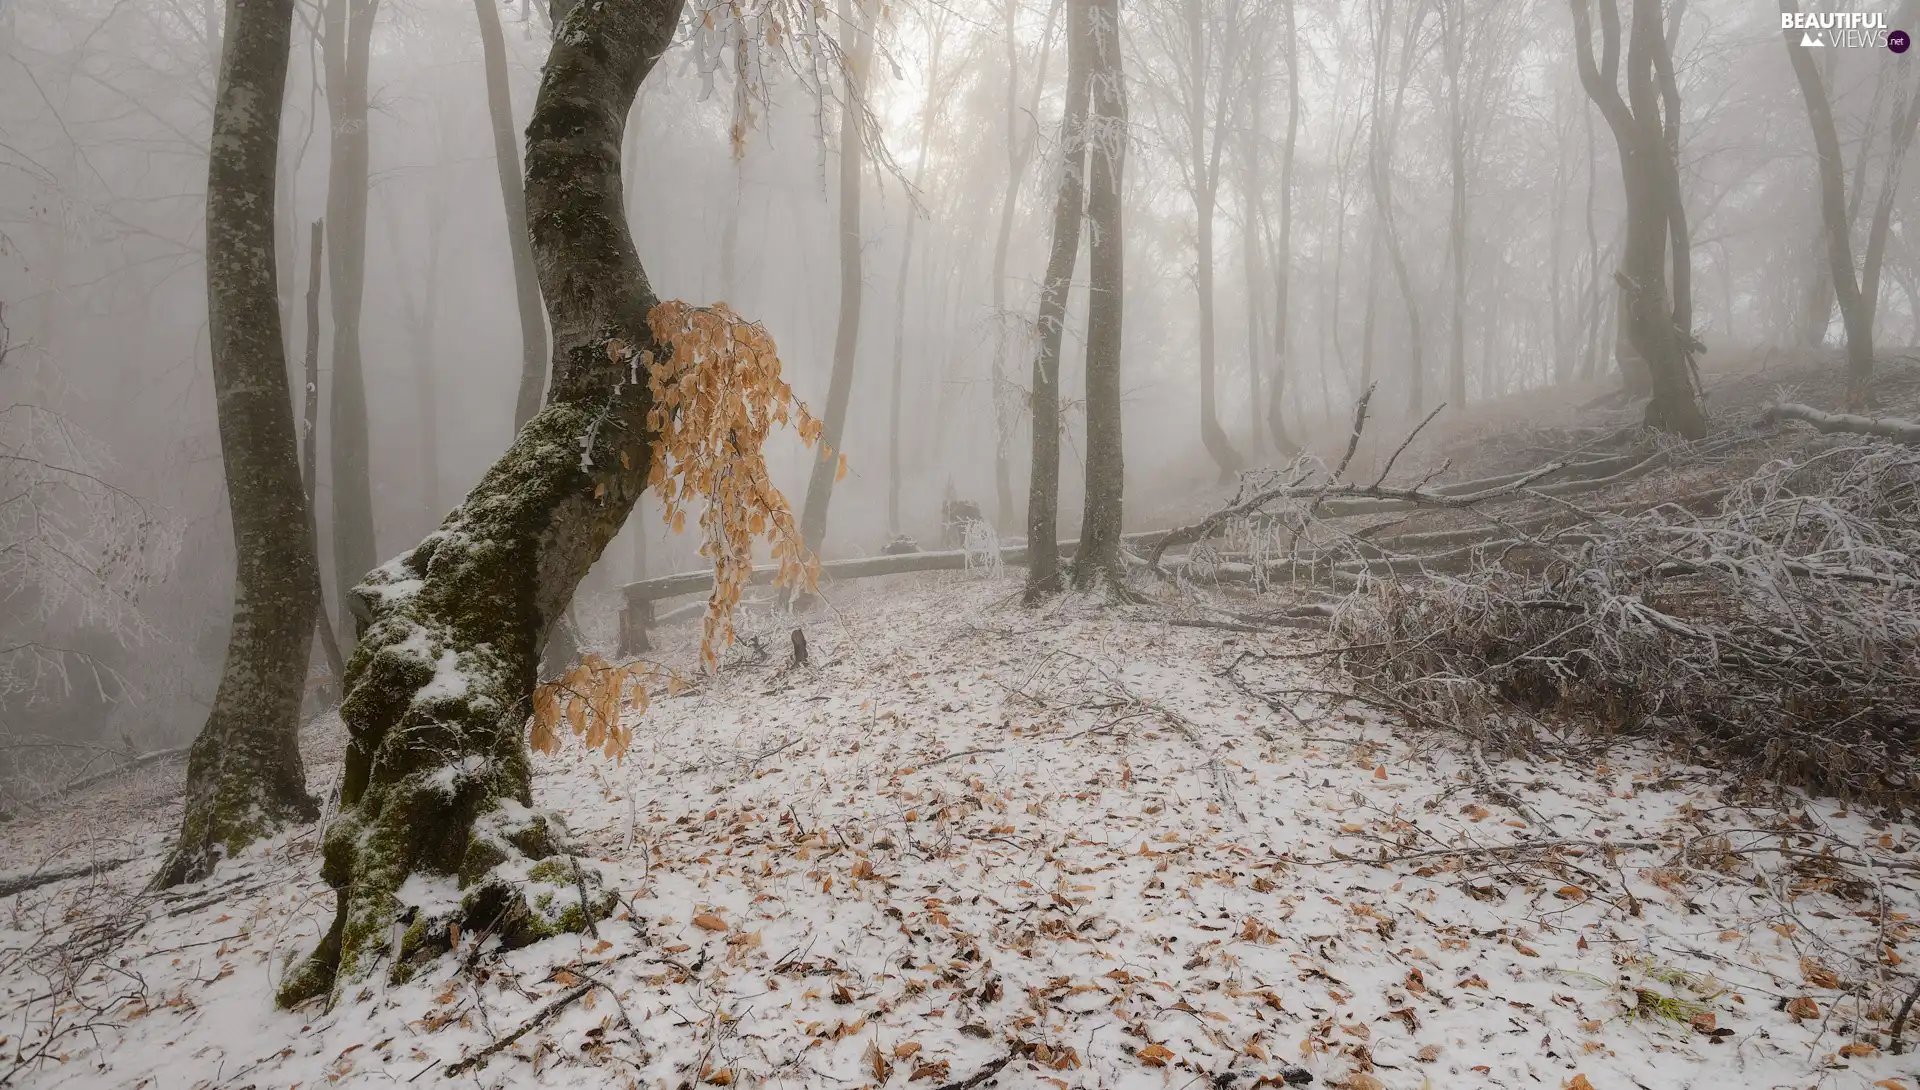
point(436, 824)
point(1043, 489)
point(1098, 558)
point(244, 778)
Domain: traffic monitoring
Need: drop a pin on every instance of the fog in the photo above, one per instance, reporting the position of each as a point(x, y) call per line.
point(1321, 140)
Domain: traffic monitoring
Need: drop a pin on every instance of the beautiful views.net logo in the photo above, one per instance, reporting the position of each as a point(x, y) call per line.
point(1842, 29)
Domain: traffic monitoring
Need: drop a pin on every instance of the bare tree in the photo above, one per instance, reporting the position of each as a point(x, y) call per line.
point(856, 46)
point(310, 435)
point(1651, 181)
point(1098, 558)
point(929, 112)
point(1858, 294)
point(1201, 48)
point(1043, 495)
point(506, 157)
point(346, 42)
point(1385, 134)
point(244, 778)
point(1020, 143)
point(1283, 242)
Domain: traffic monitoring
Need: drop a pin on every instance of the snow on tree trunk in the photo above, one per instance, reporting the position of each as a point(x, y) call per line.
point(436, 824)
point(1098, 557)
point(1043, 490)
point(244, 777)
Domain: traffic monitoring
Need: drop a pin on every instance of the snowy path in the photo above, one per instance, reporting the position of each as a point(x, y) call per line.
point(969, 832)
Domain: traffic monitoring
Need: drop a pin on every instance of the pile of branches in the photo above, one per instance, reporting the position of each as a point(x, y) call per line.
point(1774, 621)
point(1783, 629)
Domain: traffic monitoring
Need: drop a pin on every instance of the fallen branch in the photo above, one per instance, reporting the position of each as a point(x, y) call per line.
point(21, 883)
point(1900, 431)
point(1488, 849)
point(980, 1076)
point(540, 1018)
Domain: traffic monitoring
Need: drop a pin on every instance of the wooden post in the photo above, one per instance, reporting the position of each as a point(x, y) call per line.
point(635, 618)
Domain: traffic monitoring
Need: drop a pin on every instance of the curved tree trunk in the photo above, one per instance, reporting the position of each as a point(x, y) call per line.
point(437, 782)
point(346, 40)
point(244, 778)
point(1098, 557)
point(1043, 490)
point(857, 47)
point(1652, 190)
point(506, 157)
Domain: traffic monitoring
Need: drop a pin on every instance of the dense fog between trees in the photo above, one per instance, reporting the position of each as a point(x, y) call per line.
point(1317, 197)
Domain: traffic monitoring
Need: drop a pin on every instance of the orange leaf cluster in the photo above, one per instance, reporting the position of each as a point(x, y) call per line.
point(716, 400)
point(588, 701)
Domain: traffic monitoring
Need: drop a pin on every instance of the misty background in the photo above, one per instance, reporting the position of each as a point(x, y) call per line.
point(115, 551)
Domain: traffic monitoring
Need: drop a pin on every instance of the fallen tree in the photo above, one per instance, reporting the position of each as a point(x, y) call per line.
point(1900, 431)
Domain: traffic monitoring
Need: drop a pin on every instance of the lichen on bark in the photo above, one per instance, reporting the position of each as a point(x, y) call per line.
point(244, 776)
point(437, 825)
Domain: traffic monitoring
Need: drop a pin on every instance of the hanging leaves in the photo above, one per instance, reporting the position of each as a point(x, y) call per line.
point(717, 398)
point(587, 701)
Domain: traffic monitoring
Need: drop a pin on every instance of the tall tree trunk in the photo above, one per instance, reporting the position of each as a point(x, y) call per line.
point(1855, 312)
point(927, 114)
point(1903, 128)
point(1369, 319)
point(1589, 362)
point(420, 313)
point(1453, 34)
point(1098, 557)
point(1283, 249)
point(1385, 140)
point(244, 778)
point(310, 440)
point(857, 46)
point(437, 780)
point(1043, 490)
point(1252, 216)
point(346, 40)
point(737, 135)
point(1016, 167)
point(1204, 169)
point(1646, 170)
point(506, 159)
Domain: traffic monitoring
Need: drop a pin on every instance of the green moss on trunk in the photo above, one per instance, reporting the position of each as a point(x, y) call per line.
point(436, 824)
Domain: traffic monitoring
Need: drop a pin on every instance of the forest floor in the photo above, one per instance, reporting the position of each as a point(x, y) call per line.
point(1082, 847)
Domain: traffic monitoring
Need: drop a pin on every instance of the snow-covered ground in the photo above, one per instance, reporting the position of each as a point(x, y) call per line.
point(1067, 843)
